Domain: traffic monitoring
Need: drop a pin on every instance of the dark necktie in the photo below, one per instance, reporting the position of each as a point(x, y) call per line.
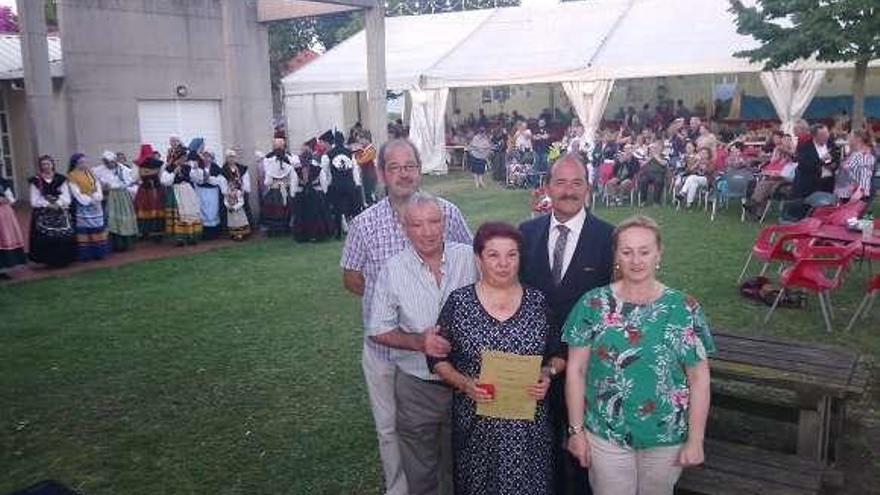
point(559, 253)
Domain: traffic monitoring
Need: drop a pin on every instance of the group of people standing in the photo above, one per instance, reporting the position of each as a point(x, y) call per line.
point(623, 388)
point(317, 192)
point(185, 195)
point(98, 208)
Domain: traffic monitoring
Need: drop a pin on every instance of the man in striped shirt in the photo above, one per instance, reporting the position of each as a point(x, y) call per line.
point(375, 236)
point(410, 291)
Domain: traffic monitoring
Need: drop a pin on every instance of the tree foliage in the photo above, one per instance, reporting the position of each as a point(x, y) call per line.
point(790, 30)
point(829, 30)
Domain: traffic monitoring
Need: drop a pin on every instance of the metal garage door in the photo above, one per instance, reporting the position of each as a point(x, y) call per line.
point(159, 119)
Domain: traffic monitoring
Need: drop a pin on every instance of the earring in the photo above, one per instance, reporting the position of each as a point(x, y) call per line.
point(617, 266)
point(658, 266)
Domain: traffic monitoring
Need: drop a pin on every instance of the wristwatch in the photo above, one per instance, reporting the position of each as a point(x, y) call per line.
point(575, 429)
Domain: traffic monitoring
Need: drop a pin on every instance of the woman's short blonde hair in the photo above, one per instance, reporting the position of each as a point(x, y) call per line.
point(642, 221)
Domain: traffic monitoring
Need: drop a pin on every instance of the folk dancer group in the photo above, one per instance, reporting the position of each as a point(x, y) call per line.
point(99, 208)
point(316, 193)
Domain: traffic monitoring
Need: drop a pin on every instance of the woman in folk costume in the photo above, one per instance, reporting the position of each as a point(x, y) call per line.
point(183, 218)
point(235, 201)
point(11, 240)
point(91, 229)
point(281, 184)
point(234, 172)
point(365, 156)
point(207, 177)
point(149, 201)
point(52, 239)
point(311, 215)
point(120, 186)
point(344, 193)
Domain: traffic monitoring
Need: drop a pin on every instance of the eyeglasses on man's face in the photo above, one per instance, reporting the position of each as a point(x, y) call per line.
point(398, 169)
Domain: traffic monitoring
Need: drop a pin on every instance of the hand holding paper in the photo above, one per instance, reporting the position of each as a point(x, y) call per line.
point(514, 378)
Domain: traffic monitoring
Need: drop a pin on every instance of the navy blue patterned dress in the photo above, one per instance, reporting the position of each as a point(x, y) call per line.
point(498, 456)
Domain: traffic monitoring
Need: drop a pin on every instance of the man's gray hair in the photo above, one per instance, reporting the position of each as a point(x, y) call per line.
point(394, 143)
point(419, 199)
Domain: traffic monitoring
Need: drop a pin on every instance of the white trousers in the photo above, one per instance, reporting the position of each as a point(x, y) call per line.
point(615, 470)
point(380, 375)
point(692, 186)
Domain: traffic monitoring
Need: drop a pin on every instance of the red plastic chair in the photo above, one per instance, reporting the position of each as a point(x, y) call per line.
point(838, 215)
point(871, 291)
point(810, 271)
point(774, 243)
point(605, 173)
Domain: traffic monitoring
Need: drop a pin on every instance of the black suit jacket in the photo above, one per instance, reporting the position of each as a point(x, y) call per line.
point(590, 267)
point(807, 177)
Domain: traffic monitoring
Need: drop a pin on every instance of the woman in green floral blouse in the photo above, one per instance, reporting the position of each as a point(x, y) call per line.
point(637, 364)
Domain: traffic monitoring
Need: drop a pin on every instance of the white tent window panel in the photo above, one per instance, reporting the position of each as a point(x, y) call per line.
point(188, 119)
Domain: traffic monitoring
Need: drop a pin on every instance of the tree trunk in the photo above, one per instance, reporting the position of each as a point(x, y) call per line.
point(858, 116)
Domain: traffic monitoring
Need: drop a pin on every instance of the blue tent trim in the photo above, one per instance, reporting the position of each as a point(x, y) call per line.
point(822, 107)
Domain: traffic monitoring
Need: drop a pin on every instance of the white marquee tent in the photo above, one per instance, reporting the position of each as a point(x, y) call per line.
point(584, 45)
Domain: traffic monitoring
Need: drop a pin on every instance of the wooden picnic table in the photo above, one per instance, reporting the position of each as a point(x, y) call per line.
point(823, 378)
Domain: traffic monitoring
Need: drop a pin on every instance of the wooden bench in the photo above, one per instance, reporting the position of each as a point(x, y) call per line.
point(822, 377)
point(732, 469)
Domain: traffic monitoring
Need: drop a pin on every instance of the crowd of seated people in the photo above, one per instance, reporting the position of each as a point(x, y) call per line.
point(690, 158)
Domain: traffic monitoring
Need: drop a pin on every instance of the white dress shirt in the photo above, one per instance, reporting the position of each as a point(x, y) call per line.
point(575, 224)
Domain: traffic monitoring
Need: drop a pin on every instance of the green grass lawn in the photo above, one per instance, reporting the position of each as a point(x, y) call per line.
point(237, 371)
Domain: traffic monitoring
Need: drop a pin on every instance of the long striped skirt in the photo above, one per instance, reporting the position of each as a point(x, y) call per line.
point(276, 212)
point(121, 219)
point(11, 239)
point(149, 205)
point(91, 232)
point(183, 219)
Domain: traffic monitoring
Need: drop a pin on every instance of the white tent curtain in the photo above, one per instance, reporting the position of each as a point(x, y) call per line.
point(427, 128)
point(311, 114)
point(589, 99)
point(791, 92)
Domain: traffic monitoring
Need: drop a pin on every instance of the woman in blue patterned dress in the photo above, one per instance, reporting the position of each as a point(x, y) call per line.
point(495, 456)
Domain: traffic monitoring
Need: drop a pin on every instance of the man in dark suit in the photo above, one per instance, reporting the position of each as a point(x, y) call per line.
point(817, 161)
point(565, 254)
point(816, 164)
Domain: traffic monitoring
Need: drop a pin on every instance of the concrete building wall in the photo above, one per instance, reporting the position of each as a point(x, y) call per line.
point(23, 160)
point(117, 52)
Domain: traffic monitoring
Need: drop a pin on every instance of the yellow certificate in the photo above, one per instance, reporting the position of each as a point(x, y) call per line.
point(510, 374)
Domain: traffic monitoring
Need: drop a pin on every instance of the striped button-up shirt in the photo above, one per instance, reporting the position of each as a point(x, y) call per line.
point(409, 299)
point(376, 235)
point(855, 173)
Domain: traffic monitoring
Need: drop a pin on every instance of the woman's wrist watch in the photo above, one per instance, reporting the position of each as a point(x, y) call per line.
point(575, 429)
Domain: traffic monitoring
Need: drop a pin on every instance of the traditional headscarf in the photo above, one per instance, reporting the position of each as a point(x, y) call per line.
point(145, 154)
point(74, 159)
point(195, 145)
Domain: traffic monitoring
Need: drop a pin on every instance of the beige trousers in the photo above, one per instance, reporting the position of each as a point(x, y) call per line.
point(616, 470)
